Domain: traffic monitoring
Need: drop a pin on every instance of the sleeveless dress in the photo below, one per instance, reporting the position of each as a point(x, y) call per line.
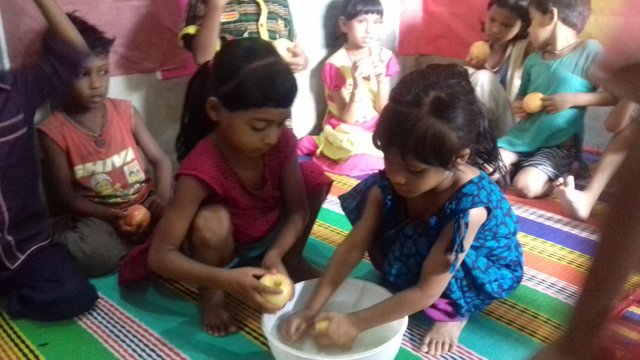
point(492, 267)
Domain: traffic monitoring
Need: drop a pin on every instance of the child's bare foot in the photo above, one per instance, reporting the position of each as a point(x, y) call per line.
point(216, 320)
point(575, 201)
point(301, 270)
point(442, 337)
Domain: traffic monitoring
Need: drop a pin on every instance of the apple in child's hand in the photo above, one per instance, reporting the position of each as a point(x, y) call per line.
point(321, 326)
point(282, 45)
point(532, 103)
point(480, 51)
point(137, 217)
point(281, 282)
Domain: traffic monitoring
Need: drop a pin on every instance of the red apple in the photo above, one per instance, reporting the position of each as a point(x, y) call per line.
point(137, 217)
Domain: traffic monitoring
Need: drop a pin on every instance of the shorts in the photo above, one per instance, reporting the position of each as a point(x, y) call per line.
point(252, 254)
point(553, 162)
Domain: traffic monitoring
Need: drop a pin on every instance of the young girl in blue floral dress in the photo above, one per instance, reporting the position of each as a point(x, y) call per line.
point(439, 230)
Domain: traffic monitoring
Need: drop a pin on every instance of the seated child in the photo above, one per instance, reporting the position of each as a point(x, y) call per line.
point(38, 278)
point(357, 80)
point(242, 200)
point(618, 253)
point(623, 122)
point(496, 79)
point(546, 143)
point(93, 149)
point(439, 230)
point(211, 21)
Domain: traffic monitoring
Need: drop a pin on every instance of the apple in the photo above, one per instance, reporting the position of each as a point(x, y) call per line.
point(281, 282)
point(282, 45)
point(321, 326)
point(480, 51)
point(137, 217)
point(532, 103)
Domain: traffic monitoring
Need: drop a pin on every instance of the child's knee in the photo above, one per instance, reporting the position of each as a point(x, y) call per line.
point(212, 227)
point(529, 184)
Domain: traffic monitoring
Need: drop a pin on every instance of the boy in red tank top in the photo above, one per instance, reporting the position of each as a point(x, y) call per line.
point(93, 150)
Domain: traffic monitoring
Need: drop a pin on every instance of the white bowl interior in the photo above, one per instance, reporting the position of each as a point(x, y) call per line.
point(382, 342)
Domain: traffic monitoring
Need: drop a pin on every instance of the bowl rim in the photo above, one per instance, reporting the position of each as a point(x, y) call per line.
point(270, 338)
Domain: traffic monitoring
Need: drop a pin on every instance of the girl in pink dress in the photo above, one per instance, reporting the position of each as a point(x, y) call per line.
point(357, 81)
point(243, 205)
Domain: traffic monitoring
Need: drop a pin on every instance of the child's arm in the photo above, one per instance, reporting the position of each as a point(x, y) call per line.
point(60, 177)
point(562, 101)
point(60, 24)
point(620, 116)
point(206, 40)
point(296, 215)
point(350, 108)
point(167, 259)
point(162, 171)
point(345, 258)
point(434, 278)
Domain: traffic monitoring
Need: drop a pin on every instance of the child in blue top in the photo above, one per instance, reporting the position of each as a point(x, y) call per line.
point(439, 230)
point(545, 144)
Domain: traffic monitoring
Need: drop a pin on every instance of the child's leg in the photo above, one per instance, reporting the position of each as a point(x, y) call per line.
point(49, 286)
point(443, 335)
point(317, 185)
point(580, 203)
point(93, 243)
point(211, 243)
point(540, 170)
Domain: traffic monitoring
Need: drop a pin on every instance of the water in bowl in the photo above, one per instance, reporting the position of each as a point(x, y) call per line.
point(366, 341)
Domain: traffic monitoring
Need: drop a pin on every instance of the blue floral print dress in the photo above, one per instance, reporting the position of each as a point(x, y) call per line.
point(492, 267)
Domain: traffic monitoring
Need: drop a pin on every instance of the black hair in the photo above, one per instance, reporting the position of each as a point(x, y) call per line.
point(520, 8)
point(433, 115)
point(99, 44)
point(246, 73)
point(351, 9)
point(573, 13)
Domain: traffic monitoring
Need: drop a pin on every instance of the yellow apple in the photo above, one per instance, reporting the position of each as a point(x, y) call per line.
point(532, 103)
point(281, 282)
point(321, 326)
point(480, 51)
point(282, 45)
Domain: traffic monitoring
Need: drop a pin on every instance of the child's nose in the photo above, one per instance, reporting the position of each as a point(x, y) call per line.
point(94, 81)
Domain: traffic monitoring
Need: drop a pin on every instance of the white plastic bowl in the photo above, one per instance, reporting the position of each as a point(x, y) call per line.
point(380, 343)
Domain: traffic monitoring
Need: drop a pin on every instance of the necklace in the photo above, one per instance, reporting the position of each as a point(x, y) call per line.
point(558, 51)
point(98, 140)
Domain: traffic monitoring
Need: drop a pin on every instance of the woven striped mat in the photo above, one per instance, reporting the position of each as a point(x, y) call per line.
point(159, 320)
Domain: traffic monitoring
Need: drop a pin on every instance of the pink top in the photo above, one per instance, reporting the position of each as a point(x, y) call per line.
point(254, 214)
point(112, 174)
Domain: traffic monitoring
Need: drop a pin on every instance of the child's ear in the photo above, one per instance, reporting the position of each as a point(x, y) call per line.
point(342, 22)
point(214, 109)
point(463, 155)
point(552, 15)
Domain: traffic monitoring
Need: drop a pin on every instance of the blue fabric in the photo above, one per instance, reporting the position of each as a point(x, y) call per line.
point(565, 75)
point(492, 267)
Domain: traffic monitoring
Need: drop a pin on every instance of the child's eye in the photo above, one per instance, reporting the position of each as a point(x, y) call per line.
point(104, 72)
point(413, 170)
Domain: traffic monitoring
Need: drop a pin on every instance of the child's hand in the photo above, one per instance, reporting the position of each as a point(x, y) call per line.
point(555, 103)
point(361, 69)
point(243, 284)
point(298, 61)
point(155, 205)
point(273, 263)
point(518, 110)
point(475, 62)
point(295, 325)
point(340, 333)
